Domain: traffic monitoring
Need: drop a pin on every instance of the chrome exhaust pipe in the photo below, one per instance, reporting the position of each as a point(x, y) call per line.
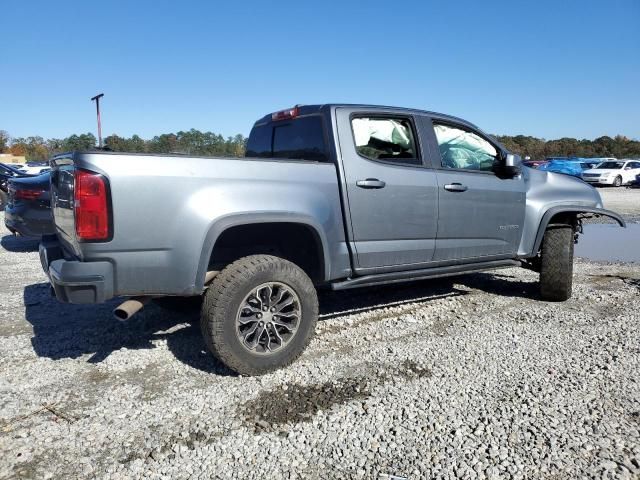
point(128, 309)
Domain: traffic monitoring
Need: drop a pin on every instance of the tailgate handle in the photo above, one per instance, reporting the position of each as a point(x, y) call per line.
point(455, 187)
point(370, 183)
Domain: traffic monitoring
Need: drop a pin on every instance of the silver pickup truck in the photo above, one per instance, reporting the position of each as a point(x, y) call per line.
point(333, 196)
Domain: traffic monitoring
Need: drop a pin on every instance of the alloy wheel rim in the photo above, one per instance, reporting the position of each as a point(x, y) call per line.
point(268, 318)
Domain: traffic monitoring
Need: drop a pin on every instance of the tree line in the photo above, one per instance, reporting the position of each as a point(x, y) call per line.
point(192, 142)
point(195, 142)
point(539, 149)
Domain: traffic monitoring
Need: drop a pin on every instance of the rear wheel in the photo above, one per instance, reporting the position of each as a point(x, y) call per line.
point(3, 200)
point(259, 314)
point(617, 181)
point(556, 264)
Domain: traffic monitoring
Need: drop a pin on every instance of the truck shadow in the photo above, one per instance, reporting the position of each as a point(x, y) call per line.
point(334, 304)
point(14, 243)
point(71, 331)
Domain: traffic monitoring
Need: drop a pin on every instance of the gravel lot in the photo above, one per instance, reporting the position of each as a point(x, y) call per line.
point(625, 201)
point(471, 377)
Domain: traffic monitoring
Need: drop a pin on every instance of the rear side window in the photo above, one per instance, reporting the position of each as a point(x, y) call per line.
point(299, 139)
point(385, 139)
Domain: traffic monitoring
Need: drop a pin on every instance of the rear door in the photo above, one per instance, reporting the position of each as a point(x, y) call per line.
point(480, 214)
point(391, 193)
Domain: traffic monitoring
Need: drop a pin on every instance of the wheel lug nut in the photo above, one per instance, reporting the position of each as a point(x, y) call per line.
point(265, 308)
point(273, 309)
point(259, 315)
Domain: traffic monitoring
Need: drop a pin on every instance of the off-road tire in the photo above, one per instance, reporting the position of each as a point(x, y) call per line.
point(556, 264)
point(222, 301)
point(617, 182)
point(180, 304)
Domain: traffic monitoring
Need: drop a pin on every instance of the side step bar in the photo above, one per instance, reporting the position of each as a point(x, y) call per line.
point(411, 275)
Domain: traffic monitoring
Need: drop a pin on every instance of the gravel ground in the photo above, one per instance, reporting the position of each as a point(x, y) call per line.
point(625, 201)
point(471, 377)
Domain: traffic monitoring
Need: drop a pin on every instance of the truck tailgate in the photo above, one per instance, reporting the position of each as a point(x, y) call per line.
point(62, 183)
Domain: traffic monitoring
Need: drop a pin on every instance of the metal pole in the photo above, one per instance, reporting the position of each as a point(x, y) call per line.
point(97, 99)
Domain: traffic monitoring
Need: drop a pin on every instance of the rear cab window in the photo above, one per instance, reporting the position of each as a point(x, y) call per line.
point(301, 138)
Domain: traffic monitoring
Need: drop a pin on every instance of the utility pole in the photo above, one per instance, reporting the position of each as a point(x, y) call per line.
point(97, 100)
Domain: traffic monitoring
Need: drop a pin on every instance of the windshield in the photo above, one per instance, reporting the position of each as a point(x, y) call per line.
point(610, 165)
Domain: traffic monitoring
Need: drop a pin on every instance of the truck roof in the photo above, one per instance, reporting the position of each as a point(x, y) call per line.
point(318, 108)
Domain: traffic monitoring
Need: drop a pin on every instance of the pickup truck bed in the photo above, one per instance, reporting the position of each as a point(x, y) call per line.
point(163, 234)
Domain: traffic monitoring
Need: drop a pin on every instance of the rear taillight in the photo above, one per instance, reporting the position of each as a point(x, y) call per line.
point(91, 206)
point(26, 194)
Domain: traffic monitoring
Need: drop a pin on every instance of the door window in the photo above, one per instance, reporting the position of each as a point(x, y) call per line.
point(465, 150)
point(386, 139)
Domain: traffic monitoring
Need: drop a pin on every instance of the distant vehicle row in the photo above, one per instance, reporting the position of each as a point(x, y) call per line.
point(616, 173)
point(34, 168)
point(596, 171)
point(7, 172)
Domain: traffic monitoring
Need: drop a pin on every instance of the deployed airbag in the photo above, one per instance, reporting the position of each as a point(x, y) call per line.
point(386, 130)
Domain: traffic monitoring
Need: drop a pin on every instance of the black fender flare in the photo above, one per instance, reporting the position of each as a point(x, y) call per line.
point(221, 224)
point(549, 214)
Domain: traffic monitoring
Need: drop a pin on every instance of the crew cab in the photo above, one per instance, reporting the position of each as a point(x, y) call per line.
point(328, 196)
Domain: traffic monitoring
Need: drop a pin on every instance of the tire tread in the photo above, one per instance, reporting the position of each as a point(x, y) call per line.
point(556, 265)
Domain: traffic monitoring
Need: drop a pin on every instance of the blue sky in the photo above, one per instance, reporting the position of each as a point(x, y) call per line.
point(542, 68)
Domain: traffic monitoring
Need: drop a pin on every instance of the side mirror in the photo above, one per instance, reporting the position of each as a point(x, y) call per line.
point(512, 164)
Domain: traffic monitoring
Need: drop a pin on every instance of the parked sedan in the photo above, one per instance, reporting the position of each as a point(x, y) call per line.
point(534, 163)
point(573, 167)
point(28, 210)
point(616, 173)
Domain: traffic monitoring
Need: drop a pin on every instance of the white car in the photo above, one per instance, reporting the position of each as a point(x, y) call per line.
point(615, 172)
point(35, 169)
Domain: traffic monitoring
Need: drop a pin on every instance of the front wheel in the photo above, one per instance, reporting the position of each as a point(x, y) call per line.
point(556, 264)
point(617, 181)
point(259, 314)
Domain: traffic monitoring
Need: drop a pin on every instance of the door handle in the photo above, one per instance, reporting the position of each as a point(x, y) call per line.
point(455, 187)
point(370, 183)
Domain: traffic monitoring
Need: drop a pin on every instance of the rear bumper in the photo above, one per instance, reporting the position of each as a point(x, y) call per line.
point(74, 281)
point(29, 222)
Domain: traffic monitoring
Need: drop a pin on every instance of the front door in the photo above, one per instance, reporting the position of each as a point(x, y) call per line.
point(480, 214)
point(392, 197)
